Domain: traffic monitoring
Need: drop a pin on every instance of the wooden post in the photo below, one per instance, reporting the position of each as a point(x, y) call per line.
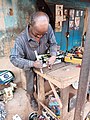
point(41, 91)
point(83, 80)
point(64, 98)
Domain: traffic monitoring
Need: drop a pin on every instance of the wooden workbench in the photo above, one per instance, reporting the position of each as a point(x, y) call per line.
point(62, 75)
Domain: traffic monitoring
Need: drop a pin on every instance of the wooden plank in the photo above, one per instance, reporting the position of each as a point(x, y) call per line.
point(89, 97)
point(86, 109)
point(64, 98)
point(49, 78)
point(70, 115)
point(48, 110)
point(65, 73)
point(55, 67)
point(83, 81)
point(41, 91)
point(62, 77)
point(70, 81)
point(56, 95)
point(49, 92)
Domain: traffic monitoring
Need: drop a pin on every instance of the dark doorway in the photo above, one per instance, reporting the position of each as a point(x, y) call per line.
point(48, 9)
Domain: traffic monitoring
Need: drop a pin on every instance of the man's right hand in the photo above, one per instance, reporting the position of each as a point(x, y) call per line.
point(38, 64)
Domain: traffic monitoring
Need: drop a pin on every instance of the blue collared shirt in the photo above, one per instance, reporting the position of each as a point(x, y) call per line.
point(22, 54)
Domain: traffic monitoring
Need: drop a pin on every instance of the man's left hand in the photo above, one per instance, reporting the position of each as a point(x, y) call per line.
point(51, 61)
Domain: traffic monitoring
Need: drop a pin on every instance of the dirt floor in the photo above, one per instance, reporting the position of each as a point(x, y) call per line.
point(20, 104)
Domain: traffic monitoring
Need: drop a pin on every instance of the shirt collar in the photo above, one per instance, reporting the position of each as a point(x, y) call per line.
point(27, 32)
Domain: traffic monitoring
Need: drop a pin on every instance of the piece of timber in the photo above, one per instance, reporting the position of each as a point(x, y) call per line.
point(48, 110)
point(86, 109)
point(56, 95)
point(63, 76)
point(41, 91)
point(50, 92)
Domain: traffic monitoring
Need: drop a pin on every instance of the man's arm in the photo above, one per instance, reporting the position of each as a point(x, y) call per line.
point(17, 57)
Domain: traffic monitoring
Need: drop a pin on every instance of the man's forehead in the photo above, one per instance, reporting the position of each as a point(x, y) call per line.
point(42, 18)
point(41, 26)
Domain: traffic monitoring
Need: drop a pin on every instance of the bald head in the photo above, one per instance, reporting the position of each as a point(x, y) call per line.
point(39, 17)
point(40, 21)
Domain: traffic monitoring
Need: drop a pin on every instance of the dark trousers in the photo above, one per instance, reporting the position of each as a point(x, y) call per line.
point(30, 75)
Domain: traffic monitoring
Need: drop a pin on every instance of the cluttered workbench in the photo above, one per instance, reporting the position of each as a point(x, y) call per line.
point(62, 75)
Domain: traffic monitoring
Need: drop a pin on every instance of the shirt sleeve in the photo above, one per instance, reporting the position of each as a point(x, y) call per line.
point(52, 41)
point(17, 57)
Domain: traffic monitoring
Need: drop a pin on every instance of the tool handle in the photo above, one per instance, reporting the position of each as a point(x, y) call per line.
point(36, 55)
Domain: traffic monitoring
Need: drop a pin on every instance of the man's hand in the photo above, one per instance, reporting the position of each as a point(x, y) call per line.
point(38, 64)
point(51, 61)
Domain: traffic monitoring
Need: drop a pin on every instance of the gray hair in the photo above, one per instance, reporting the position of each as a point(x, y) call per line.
point(34, 16)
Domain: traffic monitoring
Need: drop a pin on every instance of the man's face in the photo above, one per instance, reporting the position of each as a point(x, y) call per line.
point(39, 29)
point(36, 33)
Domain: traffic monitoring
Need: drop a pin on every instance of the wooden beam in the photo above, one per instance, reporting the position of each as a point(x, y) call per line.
point(41, 91)
point(65, 98)
point(50, 92)
point(56, 95)
point(86, 110)
point(49, 78)
point(83, 80)
point(48, 110)
point(84, 0)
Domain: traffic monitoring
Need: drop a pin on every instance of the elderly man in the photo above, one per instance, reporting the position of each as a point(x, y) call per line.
point(38, 36)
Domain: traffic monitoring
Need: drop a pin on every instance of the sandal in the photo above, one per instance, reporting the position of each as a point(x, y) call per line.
point(34, 104)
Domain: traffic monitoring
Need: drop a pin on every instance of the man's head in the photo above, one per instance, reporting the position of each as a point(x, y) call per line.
point(39, 24)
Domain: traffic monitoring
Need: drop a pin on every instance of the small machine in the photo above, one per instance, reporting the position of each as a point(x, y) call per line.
point(6, 76)
point(44, 58)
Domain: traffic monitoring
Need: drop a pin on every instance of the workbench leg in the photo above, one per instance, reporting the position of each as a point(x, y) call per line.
point(64, 99)
point(41, 90)
point(55, 94)
point(88, 97)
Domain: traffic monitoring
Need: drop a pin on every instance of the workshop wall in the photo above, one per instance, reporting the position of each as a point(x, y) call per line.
point(14, 15)
point(66, 42)
point(8, 14)
point(25, 8)
point(71, 3)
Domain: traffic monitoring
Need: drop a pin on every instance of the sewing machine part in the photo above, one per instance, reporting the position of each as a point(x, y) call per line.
point(6, 77)
point(8, 92)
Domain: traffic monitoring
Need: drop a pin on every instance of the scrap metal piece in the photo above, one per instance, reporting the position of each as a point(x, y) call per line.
point(2, 111)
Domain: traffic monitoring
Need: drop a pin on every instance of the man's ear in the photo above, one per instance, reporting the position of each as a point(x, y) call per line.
point(29, 23)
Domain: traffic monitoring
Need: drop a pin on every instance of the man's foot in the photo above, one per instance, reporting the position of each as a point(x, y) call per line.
point(33, 103)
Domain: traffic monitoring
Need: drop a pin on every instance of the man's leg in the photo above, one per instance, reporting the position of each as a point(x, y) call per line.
point(30, 88)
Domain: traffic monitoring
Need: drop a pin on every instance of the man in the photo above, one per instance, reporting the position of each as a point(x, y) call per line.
point(38, 36)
